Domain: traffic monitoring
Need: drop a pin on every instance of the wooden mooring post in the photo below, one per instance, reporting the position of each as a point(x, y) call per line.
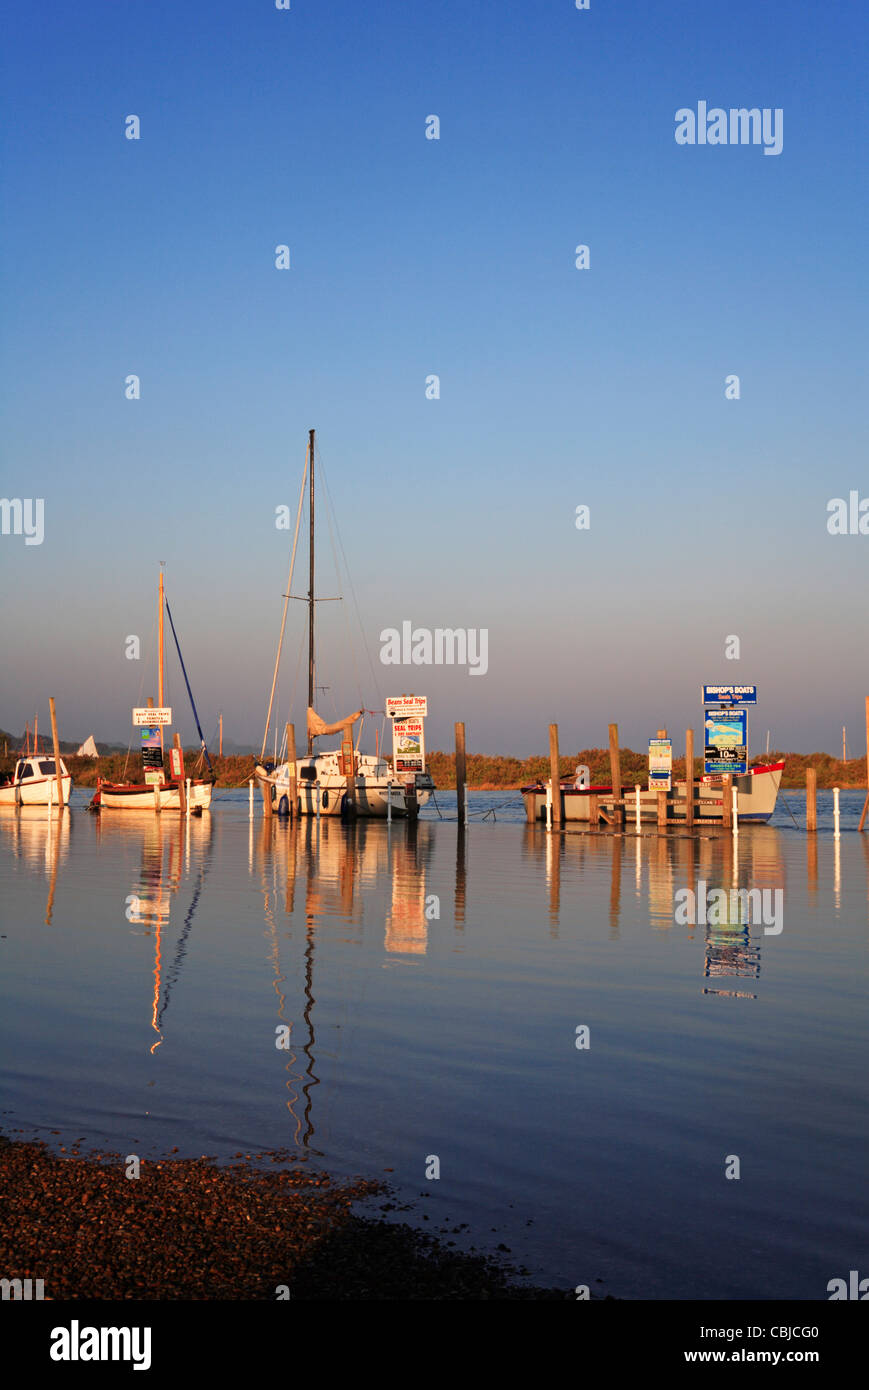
point(727, 801)
point(811, 798)
point(616, 775)
point(182, 796)
point(461, 774)
point(866, 802)
point(56, 742)
point(689, 778)
point(555, 775)
point(291, 759)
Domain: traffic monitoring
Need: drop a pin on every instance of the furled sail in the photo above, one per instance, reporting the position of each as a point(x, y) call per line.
point(317, 726)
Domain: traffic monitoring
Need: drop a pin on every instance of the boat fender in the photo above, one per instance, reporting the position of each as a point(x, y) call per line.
point(284, 806)
point(324, 799)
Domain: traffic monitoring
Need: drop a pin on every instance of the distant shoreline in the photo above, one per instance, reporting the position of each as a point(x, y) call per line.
point(485, 773)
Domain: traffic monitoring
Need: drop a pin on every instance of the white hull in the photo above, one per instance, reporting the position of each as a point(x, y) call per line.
point(756, 794)
point(37, 790)
point(143, 799)
point(324, 793)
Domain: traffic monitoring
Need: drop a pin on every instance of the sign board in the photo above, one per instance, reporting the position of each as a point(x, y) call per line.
point(405, 706)
point(176, 763)
point(151, 737)
point(152, 716)
point(154, 779)
point(730, 694)
point(660, 764)
point(408, 746)
point(726, 741)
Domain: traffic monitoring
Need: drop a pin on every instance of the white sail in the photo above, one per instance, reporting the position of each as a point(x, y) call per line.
point(317, 726)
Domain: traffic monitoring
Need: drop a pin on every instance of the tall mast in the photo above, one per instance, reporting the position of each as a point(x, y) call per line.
point(311, 591)
point(160, 643)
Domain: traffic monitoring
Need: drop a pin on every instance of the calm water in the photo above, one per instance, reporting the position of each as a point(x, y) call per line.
point(147, 963)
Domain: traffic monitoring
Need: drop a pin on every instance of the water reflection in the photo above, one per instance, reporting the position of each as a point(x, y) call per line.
point(320, 871)
point(165, 859)
point(660, 866)
point(40, 841)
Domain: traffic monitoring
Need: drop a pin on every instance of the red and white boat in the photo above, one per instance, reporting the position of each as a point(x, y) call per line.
point(756, 794)
point(159, 792)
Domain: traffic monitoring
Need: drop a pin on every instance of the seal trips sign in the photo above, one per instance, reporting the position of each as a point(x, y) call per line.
point(408, 746)
point(405, 706)
point(726, 741)
point(151, 716)
point(730, 694)
point(407, 713)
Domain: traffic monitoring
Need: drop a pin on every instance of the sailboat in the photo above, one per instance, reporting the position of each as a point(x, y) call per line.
point(160, 793)
point(343, 782)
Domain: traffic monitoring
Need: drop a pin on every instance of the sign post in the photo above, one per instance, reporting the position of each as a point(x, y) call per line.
point(407, 713)
point(726, 729)
point(660, 764)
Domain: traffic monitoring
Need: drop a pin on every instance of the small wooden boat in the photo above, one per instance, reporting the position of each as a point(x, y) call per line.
point(34, 782)
point(756, 794)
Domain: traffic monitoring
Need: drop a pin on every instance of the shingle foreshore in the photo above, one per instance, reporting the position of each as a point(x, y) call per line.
point(193, 1229)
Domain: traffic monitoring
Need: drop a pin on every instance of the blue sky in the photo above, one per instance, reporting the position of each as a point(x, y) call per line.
point(456, 257)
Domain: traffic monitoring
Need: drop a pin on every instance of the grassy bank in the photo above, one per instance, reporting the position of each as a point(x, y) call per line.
point(485, 773)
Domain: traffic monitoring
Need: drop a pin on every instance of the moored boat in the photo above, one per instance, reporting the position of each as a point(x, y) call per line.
point(34, 782)
point(159, 792)
point(342, 781)
point(756, 794)
point(321, 786)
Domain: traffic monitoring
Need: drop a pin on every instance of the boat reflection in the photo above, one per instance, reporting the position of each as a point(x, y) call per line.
point(40, 840)
point(165, 856)
point(661, 865)
point(313, 874)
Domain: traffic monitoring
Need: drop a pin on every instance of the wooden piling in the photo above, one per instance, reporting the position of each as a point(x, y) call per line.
point(56, 742)
point(662, 810)
point(866, 802)
point(615, 774)
point(555, 775)
point(348, 759)
point(291, 759)
point(811, 798)
point(182, 797)
point(689, 778)
point(265, 787)
point(461, 793)
point(727, 801)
